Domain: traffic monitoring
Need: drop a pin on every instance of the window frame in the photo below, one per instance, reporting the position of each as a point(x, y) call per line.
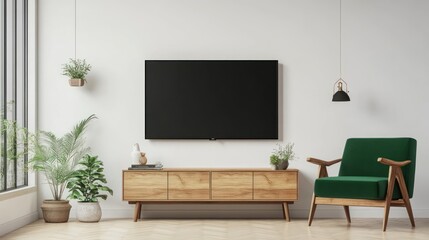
point(15, 84)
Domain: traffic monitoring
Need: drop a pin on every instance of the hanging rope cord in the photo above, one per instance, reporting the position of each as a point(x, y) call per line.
point(340, 44)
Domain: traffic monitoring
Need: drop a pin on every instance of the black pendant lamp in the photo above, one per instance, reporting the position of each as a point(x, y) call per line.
point(340, 95)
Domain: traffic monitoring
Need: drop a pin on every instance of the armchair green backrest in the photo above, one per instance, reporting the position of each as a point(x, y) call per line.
point(360, 158)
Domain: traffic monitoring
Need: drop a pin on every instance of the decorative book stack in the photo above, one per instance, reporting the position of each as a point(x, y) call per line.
point(145, 167)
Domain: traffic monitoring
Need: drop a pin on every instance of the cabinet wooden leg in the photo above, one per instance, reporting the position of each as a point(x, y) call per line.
point(286, 211)
point(137, 211)
point(347, 211)
point(140, 210)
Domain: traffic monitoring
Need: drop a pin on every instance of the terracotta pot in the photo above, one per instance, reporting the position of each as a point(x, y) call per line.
point(88, 211)
point(76, 82)
point(56, 211)
point(283, 165)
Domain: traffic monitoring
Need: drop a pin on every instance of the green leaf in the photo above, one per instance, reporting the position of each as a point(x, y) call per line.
point(76, 68)
point(89, 179)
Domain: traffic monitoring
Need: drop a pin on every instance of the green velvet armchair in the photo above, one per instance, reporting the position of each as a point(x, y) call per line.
point(374, 172)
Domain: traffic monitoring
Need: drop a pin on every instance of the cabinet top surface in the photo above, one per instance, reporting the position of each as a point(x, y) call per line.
point(214, 170)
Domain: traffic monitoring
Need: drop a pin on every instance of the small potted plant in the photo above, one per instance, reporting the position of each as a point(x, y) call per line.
point(76, 69)
point(86, 185)
point(57, 158)
point(281, 156)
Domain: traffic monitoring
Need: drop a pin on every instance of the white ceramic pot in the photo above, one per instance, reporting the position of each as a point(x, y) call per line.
point(88, 211)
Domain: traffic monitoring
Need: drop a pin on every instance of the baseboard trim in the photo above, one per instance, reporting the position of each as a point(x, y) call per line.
point(185, 213)
point(18, 223)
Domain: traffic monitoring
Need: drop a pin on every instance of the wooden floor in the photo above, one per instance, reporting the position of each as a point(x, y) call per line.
point(203, 229)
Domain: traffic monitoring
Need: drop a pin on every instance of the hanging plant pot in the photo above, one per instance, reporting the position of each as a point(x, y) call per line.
point(76, 82)
point(76, 70)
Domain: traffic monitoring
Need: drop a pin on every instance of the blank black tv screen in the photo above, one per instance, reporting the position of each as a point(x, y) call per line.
point(211, 99)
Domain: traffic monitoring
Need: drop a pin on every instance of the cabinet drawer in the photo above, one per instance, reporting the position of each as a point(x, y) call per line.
point(275, 185)
point(188, 185)
point(232, 185)
point(144, 186)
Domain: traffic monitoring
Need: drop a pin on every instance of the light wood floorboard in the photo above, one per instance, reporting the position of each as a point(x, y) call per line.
point(204, 229)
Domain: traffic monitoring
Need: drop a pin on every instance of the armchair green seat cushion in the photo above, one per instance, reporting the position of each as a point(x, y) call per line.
point(356, 187)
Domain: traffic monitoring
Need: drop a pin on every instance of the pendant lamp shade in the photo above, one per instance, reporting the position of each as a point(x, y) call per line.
point(340, 95)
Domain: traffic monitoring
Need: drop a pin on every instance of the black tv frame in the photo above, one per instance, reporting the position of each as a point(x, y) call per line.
point(276, 137)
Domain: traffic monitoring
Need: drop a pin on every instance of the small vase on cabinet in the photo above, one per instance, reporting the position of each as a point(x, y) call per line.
point(138, 157)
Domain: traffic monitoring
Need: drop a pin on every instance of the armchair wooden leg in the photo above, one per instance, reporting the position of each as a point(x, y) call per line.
point(323, 172)
point(386, 214)
point(347, 211)
point(390, 186)
point(405, 197)
point(312, 210)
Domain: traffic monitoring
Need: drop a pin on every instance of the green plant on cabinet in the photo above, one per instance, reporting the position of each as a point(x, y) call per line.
point(281, 156)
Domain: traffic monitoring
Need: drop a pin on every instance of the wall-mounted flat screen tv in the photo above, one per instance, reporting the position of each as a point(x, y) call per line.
point(211, 99)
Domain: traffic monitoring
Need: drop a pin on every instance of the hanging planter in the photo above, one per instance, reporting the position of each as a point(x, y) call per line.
point(76, 69)
point(76, 82)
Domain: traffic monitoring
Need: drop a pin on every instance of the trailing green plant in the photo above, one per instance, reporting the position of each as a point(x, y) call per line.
point(282, 154)
point(57, 157)
point(87, 182)
point(16, 139)
point(16, 143)
point(76, 68)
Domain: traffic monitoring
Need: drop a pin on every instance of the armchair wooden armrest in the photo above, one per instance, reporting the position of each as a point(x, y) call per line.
point(323, 172)
point(392, 163)
point(322, 162)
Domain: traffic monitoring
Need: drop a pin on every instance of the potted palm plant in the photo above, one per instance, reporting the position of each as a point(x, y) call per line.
point(86, 186)
point(57, 157)
point(76, 69)
point(281, 156)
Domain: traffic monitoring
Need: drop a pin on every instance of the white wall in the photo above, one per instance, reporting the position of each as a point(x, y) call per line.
point(385, 59)
point(18, 210)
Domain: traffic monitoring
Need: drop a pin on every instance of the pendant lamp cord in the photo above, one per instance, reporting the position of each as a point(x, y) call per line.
point(75, 29)
point(340, 43)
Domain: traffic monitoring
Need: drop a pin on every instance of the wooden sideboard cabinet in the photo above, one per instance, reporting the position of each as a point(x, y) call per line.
point(194, 185)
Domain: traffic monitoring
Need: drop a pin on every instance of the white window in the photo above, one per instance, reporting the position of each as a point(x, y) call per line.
point(13, 94)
